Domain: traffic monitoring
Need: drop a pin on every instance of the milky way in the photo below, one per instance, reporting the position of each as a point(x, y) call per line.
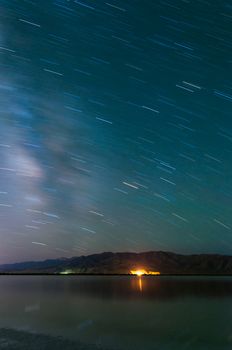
point(115, 127)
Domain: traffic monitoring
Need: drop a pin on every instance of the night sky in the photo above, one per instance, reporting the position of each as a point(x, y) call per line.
point(115, 127)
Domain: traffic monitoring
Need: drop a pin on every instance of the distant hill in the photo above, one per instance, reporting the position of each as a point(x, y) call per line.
point(122, 263)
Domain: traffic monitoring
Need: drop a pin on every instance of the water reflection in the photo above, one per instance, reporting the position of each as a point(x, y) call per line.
point(140, 284)
point(120, 287)
point(122, 312)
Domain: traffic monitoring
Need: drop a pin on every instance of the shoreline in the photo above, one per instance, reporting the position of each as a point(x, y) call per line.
point(20, 340)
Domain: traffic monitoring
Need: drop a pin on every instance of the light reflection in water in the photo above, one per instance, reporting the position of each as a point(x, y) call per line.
point(78, 308)
point(140, 284)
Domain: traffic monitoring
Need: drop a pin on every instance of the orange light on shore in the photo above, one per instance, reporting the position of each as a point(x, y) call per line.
point(138, 272)
point(144, 272)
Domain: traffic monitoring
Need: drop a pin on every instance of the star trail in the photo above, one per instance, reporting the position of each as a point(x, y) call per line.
point(115, 127)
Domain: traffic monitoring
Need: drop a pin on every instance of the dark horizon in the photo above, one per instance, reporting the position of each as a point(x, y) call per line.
point(125, 263)
point(118, 252)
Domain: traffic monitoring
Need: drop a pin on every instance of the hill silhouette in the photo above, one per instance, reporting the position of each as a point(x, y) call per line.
point(123, 263)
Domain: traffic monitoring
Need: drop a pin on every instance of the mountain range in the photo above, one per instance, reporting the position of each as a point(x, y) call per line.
point(123, 263)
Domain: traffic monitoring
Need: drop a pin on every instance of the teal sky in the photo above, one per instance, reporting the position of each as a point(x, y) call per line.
point(115, 127)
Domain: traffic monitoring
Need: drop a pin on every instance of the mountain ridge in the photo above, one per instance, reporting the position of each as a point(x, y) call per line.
point(124, 262)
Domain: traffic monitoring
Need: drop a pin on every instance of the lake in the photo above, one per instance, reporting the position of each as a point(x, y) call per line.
point(121, 312)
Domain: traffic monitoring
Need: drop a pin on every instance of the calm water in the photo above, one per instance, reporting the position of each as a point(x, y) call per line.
point(122, 312)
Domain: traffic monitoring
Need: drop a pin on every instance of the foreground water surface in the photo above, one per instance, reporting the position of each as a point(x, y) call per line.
point(114, 312)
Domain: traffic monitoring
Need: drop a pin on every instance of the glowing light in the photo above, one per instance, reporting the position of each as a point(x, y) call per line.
point(138, 272)
point(140, 284)
point(142, 272)
point(66, 272)
point(154, 273)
